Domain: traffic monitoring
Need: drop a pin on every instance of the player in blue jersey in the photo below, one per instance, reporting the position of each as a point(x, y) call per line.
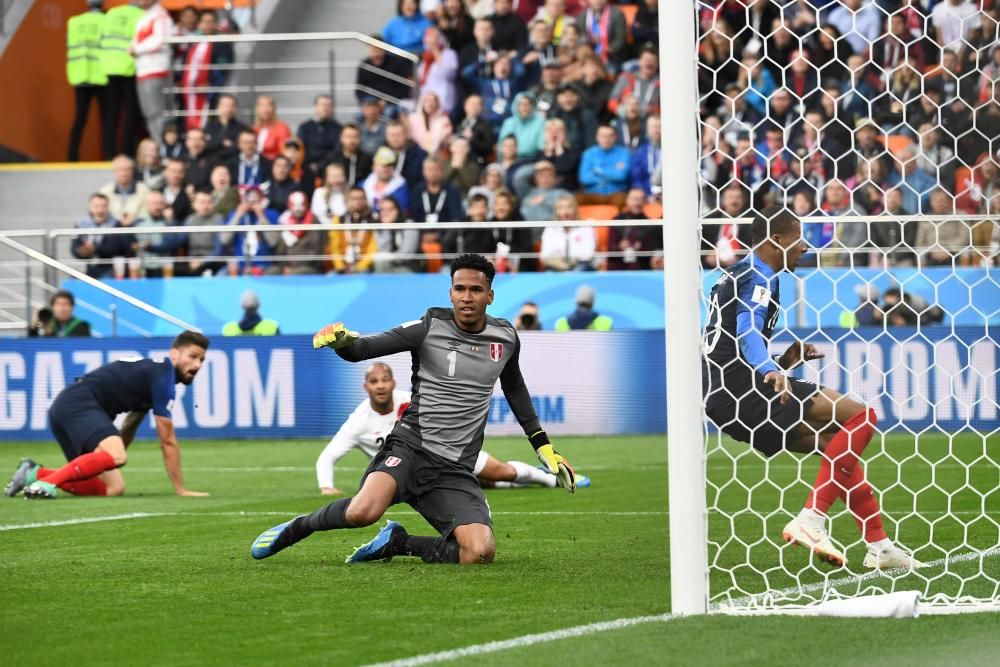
point(81, 421)
point(749, 395)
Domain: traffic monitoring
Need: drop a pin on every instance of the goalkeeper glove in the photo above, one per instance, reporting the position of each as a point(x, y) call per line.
point(556, 464)
point(334, 336)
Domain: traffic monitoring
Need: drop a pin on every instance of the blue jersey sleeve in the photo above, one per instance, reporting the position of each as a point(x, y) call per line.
point(754, 296)
point(163, 390)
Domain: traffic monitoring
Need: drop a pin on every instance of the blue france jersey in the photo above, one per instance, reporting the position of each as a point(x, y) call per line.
point(139, 385)
point(743, 310)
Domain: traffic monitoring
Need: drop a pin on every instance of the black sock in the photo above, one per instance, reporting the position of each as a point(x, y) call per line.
point(330, 517)
point(431, 549)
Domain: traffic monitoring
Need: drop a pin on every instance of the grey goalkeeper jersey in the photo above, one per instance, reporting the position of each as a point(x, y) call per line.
point(454, 373)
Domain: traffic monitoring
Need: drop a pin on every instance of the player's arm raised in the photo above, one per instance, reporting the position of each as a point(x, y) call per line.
point(172, 456)
point(516, 392)
point(352, 346)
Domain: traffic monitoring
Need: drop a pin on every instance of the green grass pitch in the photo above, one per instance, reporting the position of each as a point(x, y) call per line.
point(172, 582)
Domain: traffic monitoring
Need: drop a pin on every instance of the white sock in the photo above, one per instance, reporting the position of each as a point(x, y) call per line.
point(880, 546)
point(812, 518)
point(527, 474)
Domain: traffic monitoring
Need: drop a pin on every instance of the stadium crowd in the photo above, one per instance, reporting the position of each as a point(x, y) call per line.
point(550, 111)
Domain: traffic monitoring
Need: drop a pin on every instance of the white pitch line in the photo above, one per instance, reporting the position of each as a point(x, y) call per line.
point(525, 640)
point(91, 519)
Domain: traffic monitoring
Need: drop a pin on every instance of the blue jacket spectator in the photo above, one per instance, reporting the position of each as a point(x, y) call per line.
point(915, 183)
point(498, 92)
point(100, 247)
point(526, 125)
point(435, 200)
point(406, 31)
point(647, 157)
point(760, 87)
point(604, 169)
point(250, 248)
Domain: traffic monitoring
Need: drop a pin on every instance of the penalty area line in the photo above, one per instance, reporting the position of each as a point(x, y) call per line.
point(80, 520)
point(524, 640)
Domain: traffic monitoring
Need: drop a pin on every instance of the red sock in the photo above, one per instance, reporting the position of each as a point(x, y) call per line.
point(841, 453)
point(860, 499)
point(42, 472)
point(94, 486)
point(82, 467)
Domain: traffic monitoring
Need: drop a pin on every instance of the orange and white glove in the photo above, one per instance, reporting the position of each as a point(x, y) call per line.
point(334, 336)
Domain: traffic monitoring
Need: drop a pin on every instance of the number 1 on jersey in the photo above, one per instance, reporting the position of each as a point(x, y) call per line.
point(452, 362)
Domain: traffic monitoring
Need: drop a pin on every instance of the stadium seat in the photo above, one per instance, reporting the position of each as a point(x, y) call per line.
point(177, 5)
point(598, 212)
point(432, 250)
point(897, 142)
point(653, 210)
point(629, 11)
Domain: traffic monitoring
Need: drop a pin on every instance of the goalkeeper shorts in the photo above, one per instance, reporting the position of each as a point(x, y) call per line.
point(746, 409)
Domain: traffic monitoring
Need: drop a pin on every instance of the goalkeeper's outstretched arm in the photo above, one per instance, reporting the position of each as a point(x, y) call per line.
point(352, 347)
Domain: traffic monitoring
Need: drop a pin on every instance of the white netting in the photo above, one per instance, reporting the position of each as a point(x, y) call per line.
point(878, 123)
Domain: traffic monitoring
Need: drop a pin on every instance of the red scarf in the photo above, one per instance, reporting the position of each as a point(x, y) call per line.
point(290, 218)
point(425, 66)
point(603, 29)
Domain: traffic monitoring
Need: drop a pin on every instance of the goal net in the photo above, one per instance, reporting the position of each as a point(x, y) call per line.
point(879, 130)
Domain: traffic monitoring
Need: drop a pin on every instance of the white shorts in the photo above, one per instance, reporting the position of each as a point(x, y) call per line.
point(480, 462)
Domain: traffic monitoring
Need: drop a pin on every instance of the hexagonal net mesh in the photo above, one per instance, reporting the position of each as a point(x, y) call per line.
point(866, 134)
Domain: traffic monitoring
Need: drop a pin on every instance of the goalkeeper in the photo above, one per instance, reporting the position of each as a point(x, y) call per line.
point(427, 460)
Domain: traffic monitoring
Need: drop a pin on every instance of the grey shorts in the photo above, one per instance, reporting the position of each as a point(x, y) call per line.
point(446, 494)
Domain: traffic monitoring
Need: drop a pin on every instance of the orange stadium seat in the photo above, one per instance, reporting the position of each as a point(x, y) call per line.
point(598, 212)
point(629, 11)
point(653, 210)
point(897, 142)
point(177, 5)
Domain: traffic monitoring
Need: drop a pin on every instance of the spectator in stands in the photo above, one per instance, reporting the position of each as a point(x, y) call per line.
point(628, 124)
point(429, 125)
point(645, 25)
point(528, 318)
point(604, 170)
point(406, 30)
point(540, 202)
point(800, 176)
point(158, 250)
point(301, 172)
point(626, 242)
point(904, 89)
point(200, 246)
point(354, 251)
point(899, 45)
point(454, 21)
point(915, 183)
point(748, 168)
point(224, 195)
point(595, 88)
point(174, 191)
point(391, 244)
point(942, 243)
point(837, 203)
point(462, 171)
point(148, 164)
point(100, 247)
point(644, 84)
point(580, 121)
point(357, 163)
point(152, 64)
point(584, 317)
point(604, 25)
point(201, 69)
point(329, 201)
point(539, 53)
point(646, 158)
point(477, 130)
point(511, 31)
point(953, 22)
point(435, 200)
point(438, 69)
point(384, 181)
point(320, 134)
point(499, 90)
point(58, 320)
point(935, 158)
point(860, 23)
point(252, 249)
point(299, 241)
point(477, 239)
point(475, 60)
point(574, 51)
point(548, 88)
point(249, 167)
point(409, 158)
point(723, 244)
point(171, 144)
point(868, 186)
point(758, 83)
point(372, 126)
point(282, 184)
point(126, 195)
point(199, 163)
point(525, 124)
point(491, 180)
point(223, 130)
point(893, 240)
point(554, 13)
point(511, 243)
point(370, 77)
point(557, 150)
point(568, 248)
point(272, 132)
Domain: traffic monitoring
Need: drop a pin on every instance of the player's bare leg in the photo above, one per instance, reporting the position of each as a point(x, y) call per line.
point(467, 544)
point(83, 475)
point(839, 429)
point(476, 544)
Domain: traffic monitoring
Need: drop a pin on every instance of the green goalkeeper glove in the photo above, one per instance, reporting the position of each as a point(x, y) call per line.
point(558, 466)
point(334, 336)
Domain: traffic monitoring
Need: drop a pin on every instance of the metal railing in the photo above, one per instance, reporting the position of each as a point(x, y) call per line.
point(328, 84)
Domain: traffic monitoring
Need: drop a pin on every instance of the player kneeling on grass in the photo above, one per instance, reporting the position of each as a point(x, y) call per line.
point(81, 420)
point(427, 460)
point(373, 420)
point(749, 396)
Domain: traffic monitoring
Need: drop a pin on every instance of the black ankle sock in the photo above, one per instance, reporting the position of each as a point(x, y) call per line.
point(330, 517)
point(431, 549)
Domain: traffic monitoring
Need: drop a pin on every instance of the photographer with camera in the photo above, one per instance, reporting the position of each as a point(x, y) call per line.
point(58, 321)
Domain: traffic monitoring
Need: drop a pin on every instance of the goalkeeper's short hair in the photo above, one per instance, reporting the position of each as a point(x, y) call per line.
point(475, 262)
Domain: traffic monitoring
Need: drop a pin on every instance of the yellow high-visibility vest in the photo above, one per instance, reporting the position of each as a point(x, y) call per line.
point(83, 50)
point(119, 29)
